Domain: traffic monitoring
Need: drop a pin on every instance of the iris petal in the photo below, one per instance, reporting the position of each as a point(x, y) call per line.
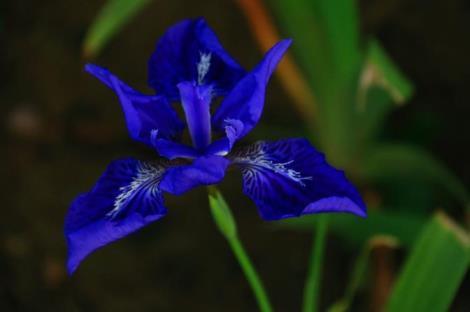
point(143, 113)
point(196, 102)
point(246, 100)
point(172, 150)
point(205, 170)
point(178, 55)
point(126, 198)
point(289, 178)
point(233, 130)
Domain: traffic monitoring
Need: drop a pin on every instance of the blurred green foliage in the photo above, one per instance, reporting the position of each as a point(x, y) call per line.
point(403, 226)
point(389, 161)
point(357, 86)
point(112, 17)
point(435, 267)
point(357, 277)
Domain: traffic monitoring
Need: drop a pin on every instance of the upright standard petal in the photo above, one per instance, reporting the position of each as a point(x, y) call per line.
point(289, 178)
point(205, 170)
point(143, 113)
point(196, 102)
point(125, 198)
point(190, 51)
point(246, 100)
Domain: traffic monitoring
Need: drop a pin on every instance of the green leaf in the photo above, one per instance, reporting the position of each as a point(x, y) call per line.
point(409, 162)
point(300, 23)
point(326, 42)
point(326, 36)
point(434, 269)
point(313, 280)
point(340, 22)
point(112, 17)
point(402, 226)
point(380, 86)
point(379, 70)
point(222, 215)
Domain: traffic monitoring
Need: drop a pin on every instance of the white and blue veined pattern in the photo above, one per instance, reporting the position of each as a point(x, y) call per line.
point(289, 178)
point(189, 67)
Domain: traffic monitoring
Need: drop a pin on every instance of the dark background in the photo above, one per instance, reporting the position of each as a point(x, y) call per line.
point(60, 128)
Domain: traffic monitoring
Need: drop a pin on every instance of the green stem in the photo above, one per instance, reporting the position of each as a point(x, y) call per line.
point(312, 283)
point(250, 274)
point(225, 222)
point(357, 277)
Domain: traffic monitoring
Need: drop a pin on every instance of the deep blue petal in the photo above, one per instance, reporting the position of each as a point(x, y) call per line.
point(289, 178)
point(172, 150)
point(125, 198)
point(205, 170)
point(196, 101)
point(143, 113)
point(220, 147)
point(233, 130)
point(178, 53)
point(246, 100)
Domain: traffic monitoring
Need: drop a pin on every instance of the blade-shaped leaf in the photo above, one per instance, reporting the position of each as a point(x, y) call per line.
point(405, 161)
point(434, 269)
point(300, 23)
point(326, 36)
point(379, 70)
point(340, 21)
point(326, 42)
point(111, 18)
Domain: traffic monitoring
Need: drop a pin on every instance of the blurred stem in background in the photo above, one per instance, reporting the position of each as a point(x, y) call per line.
point(382, 267)
point(226, 224)
point(360, 270)
point(314, 275)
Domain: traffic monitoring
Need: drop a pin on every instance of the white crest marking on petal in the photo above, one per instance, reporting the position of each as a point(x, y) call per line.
point(147, 179)
point(255, 156)
point(203, 67)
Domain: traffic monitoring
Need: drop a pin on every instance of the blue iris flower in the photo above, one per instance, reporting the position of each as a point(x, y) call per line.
point(285, 178)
